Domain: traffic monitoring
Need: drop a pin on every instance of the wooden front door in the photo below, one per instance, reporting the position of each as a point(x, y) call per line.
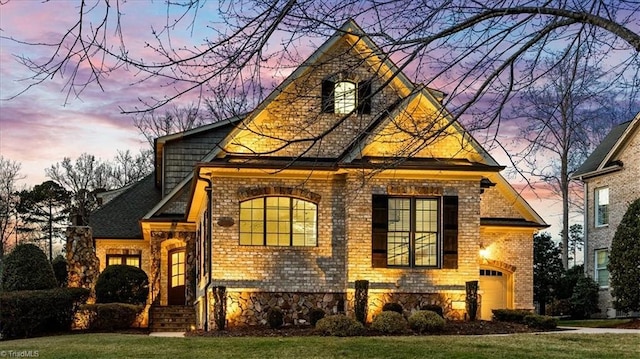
point(176, 292)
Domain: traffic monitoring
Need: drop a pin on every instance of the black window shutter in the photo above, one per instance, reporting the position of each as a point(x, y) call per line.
point(364, 97)
point(450, 235)
point(327, 96)
point(380, 226)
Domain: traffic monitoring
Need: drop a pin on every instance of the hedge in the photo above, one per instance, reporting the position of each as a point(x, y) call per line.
point(111, 316)
point(34, 312)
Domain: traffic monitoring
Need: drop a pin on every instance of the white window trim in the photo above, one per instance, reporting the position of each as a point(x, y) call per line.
point(596, 205)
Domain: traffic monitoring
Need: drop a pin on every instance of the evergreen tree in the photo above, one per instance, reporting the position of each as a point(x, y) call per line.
point(624, 261)
point(547, 269)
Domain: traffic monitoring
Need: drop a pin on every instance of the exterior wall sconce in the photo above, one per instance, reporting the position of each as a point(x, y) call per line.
point(484, 252)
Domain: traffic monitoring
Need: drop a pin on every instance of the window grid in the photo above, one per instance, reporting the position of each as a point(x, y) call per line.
point(345, 97)
point(278, 221)
point(602, 206)
point(123, 259)
point(412, 237)
point(601, 270)
point(177, 269)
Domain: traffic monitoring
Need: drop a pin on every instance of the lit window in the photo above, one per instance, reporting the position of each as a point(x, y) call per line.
point(344, 97)
point(601, 271)
point(602, 206)
point(278, 221)
point(414, 232)
point(124, 259)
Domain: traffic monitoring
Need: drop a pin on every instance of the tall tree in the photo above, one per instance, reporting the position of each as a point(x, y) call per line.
point(473, 49)
point(9, 177)
point(560, 112)
point(624, 261)
point(83, 178)
point(128, 168)
point(154, 124)
point(45, 210)
point(547, 269)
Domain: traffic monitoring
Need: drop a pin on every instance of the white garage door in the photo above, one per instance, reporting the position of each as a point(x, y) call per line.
point(493, 284)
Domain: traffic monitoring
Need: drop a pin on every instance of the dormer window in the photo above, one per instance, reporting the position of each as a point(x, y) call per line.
point(345, 96)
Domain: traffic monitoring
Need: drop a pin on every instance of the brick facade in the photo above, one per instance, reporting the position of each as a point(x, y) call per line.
point(624, 187)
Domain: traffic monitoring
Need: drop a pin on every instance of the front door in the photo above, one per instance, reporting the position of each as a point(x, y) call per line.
point(176, 293)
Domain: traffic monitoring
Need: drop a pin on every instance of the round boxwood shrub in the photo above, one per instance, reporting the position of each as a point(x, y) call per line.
point(389, 322)
point(339, 325)
point(316, 314)
point(393, 307)
point(122, 284)
point(426, 321)
point(27, 268)
point(275, 317)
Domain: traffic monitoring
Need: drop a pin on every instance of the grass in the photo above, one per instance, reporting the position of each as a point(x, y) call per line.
point(564, 346)
point(593, 323)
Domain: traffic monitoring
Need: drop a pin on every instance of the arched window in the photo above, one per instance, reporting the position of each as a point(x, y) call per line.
point(278, 221)
point(346, 96)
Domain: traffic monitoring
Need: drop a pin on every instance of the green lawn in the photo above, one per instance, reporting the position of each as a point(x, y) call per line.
point(578, 346)
point(593, 323)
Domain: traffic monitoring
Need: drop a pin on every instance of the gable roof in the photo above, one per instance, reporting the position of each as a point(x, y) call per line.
point(119, 217)
point(243, 142)
point(603, 159)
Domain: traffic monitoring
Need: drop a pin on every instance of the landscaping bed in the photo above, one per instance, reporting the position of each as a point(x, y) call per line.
point(478, 327)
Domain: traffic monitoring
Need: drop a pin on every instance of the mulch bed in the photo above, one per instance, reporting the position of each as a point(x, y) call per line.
point(479, 327)
point(634, 324)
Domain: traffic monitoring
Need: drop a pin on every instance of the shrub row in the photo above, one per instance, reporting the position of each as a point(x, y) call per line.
point(34, 312)
point(543, 322)
point(110, 316)
point(511, 315)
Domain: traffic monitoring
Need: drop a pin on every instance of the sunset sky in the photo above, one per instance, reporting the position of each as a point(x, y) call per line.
point(46, 123)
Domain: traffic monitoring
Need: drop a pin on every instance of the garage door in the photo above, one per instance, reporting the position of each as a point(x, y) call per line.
point(493, 284)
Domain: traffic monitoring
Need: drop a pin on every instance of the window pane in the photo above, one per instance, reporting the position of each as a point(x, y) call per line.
point(426, 215)
point(133, 261)
point(345, 97)
point(398, 249)
point(304, 223)
point(252, 222)
point(399, 214)
point(602, 273)
point(426, 249)
point(602, 206)
point(114, 260)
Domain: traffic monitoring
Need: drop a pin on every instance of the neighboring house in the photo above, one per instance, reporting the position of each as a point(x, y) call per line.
point(343, 173)
point(611, 175)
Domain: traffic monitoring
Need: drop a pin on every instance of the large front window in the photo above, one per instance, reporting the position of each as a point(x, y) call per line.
point(601, 271)
point(602, 206)
point(278, 221)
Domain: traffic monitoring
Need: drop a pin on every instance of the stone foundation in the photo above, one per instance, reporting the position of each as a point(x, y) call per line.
point(452, 304)
point(250, 308)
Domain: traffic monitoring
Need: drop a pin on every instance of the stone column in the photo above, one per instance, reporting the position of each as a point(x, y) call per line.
point(82, 263)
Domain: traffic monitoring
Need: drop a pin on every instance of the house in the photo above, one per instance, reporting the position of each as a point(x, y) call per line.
point(347, 171)
point(611, 176)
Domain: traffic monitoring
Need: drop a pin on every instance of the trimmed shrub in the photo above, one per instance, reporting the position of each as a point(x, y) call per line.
point(339, 325)
point(275, 318)
point(316, 314)
point(389, 322)
point(27, 268)
point(543, 322)
point(393, 307)
point(584, 300)
point(31, 313)
point(434, 308)
point(122, 284)
point(59, 266)
point(511, 315)
point(559, 307)
point(426, 321)
point(111, 316)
